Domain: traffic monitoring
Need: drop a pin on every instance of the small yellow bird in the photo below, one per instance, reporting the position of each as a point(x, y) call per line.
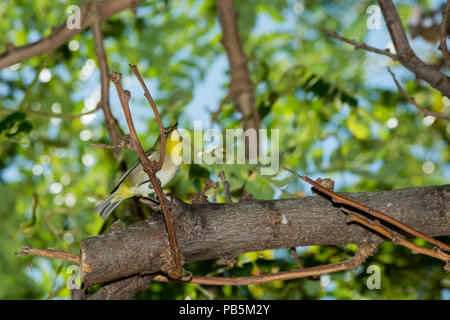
point(135, 181)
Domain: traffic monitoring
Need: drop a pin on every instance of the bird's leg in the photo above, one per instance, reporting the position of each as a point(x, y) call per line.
point(152, 203)
point(154, 200)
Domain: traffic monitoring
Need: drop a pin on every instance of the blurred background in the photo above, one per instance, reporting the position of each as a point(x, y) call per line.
point(338, 111)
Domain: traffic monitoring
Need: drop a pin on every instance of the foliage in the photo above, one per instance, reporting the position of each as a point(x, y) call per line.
point(334, 121)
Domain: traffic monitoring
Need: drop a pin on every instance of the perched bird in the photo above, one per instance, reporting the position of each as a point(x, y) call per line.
point(135, 181)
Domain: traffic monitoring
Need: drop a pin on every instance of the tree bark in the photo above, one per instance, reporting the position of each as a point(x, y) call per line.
point(213, 230)
point(241, 86)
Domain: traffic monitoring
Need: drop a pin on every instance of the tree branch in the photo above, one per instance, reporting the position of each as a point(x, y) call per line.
point(411, 100)
point(62, 34)
point(241, 87)
point(151, 167)
point(111, 123)
point(364, 251)
point(342, 200)
point(404, 54)
point(358, 45)
point(28, 251)
point(376, 226)
point(443, 44)
point(211, 231)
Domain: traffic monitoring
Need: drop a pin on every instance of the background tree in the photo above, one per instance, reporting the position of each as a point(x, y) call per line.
point(340, 113)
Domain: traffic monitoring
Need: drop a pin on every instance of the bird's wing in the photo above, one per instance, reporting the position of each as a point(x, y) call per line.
point(147, 153)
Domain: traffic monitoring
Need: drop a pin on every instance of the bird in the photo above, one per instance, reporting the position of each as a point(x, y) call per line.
point(135, 182)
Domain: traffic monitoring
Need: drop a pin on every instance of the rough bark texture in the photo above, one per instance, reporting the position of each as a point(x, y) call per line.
point(212, 231)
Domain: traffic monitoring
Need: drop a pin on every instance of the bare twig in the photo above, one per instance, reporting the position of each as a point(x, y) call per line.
point(226, 186)
point(443, 45)
point(28, 251)
point(342, 200)
point(376, 226)
point(358, 45)
point(411, 100)
point(150, 167)
point(125, 142)
point(294, 255)
point(200, 198)
point(364, 251)
point(155, 111)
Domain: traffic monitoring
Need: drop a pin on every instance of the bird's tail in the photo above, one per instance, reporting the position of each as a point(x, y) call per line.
point(107, 206)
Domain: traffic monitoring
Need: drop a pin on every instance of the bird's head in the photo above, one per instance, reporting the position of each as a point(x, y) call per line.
point(173, 143)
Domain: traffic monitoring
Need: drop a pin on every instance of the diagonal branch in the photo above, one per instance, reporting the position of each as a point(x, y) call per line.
point(404, 53)
point(342, 200)
point(62, 34)
point(150, 167)
point(411, 100)
point(396, 30)
point(358, 45)
point(155, 111)
point(376, 226)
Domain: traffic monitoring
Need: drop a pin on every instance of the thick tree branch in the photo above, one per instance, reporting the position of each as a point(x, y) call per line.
point(62, 34)
point(213, 230)
point(241, 87)
point(404, 53)
point(123, 289)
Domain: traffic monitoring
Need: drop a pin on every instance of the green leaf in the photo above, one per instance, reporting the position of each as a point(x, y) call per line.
point(9, 121)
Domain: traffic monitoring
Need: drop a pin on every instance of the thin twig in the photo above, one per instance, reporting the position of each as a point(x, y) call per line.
point(33, 83)
point(364, 251)
point(411, 100)
point(376, 226)
point(150, 167)
point(28, 251)
point(201, 198)
point(155, 111)
point(443, 45)
point(294, 255)
point(125, 142)
point(357, 45)
point(226, 186)
point(342, 200)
